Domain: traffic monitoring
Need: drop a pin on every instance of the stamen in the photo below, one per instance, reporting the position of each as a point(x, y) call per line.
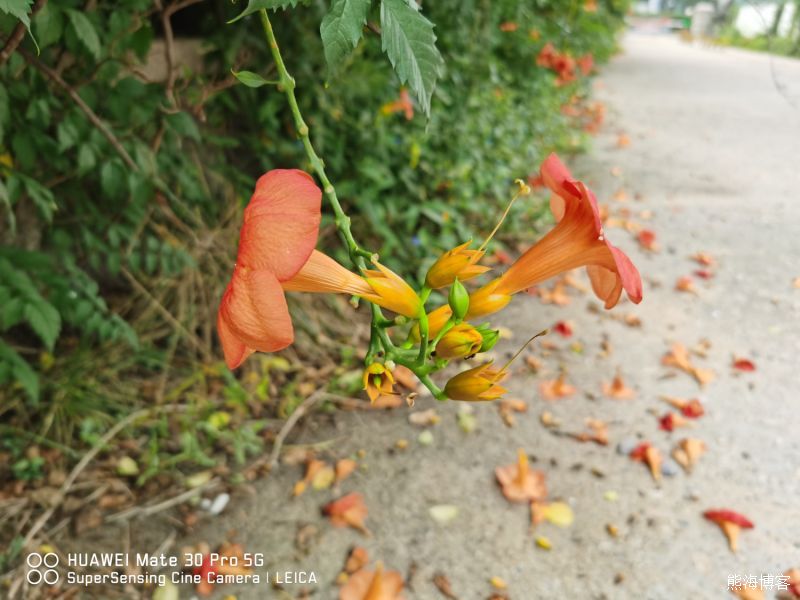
point(525, 345)
point(524, 190)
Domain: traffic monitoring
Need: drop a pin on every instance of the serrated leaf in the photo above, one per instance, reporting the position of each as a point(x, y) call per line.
point(341, 29)
point(19, 9)
point(409, 42)
point(250, 79)
point(256, 5)
point(44, 320)
point(85, 31)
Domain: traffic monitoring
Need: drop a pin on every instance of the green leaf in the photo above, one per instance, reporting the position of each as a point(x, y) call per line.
point(21, 371)
point(67, 134)
point(5, 112)
point(44, 320)
point(256, 5)
point(11, 313)
point(250, 79)
point(86, 159)
point(42, 197)
point(410, 43)
point(112, 179)
point(5, 200)
point(341, 30)
point(184, 124)
point(85, 31)
point(48, 24)
point(19, 9)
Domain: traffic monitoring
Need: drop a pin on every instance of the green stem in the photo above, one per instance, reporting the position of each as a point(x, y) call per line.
point(288, 85)
point(447, 327)
point(341, 220)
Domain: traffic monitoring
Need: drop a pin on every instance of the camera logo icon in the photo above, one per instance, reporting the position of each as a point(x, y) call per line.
point(42, 568)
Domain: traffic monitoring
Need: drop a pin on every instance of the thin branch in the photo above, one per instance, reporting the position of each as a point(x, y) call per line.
point(169, 44)
point(165, 313)
point(85, 108)
point(151, 509)
point(296, 415)
point(18, 35)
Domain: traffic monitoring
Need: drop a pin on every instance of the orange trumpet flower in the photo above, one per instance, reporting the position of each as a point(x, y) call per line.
point(576, 240)
point(276, 254)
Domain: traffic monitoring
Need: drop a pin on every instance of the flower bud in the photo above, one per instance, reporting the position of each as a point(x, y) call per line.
point(456, 263)
point(477, 384)
point(460, 340)
point(458, 299)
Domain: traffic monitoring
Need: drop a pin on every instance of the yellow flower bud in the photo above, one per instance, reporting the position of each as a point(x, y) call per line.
point(458, 262)
point(480, 383)
point(459, 341)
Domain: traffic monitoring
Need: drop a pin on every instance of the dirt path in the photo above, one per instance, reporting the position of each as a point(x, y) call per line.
point(714, 155)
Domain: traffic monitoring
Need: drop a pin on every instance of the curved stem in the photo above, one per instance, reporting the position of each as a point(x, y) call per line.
point(287, 84)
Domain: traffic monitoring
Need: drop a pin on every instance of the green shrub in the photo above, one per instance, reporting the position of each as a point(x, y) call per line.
point(121, 195)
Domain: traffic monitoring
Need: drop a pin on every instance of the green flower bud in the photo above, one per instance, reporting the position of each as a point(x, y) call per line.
point(458, 299)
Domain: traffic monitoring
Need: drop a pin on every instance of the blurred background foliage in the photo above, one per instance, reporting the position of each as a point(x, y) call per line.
point(128, 150)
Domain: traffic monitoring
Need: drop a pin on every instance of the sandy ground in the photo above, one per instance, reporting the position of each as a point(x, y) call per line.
point(714, 155)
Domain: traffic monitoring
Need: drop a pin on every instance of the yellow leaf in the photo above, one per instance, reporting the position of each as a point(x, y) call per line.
point(323, 479)
point(559, 513)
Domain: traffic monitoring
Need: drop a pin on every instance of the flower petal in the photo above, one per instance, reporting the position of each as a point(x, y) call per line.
point(254, 312)
point(234, 350)
point(281, 223)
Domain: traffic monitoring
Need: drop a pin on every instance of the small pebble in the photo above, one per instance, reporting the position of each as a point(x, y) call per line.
point(627, 445)
point(219, 503)
point(670, 468)
point(425, 438)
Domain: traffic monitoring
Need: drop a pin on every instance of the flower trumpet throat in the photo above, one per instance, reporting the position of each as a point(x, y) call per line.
point(382, 286)
point(461, 340)
point(460, 263)
point(378, 381)
point(392, 292)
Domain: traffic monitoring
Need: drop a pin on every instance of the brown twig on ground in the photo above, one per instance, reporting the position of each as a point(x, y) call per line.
point(82, 464)
point(16, 37)
point(151, 509)
point(298, 413)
